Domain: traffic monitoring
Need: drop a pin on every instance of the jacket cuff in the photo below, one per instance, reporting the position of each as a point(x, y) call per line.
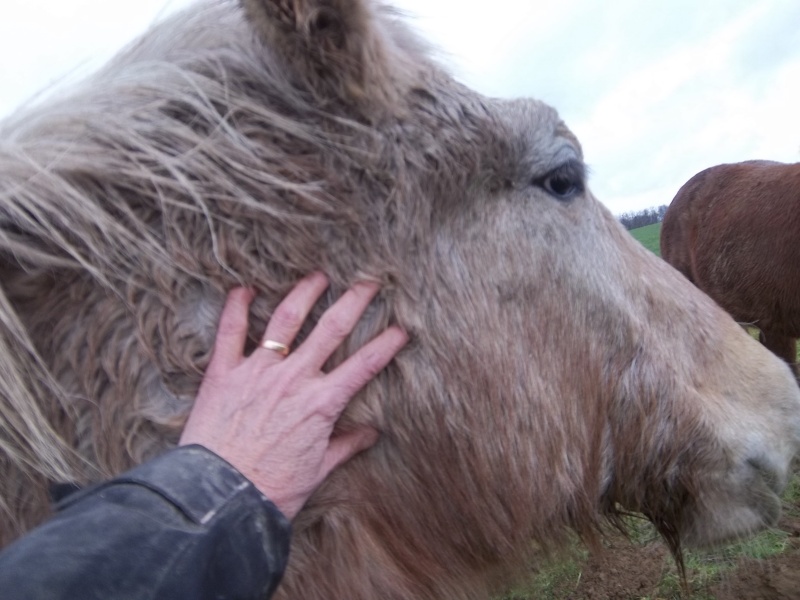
point(194, 479)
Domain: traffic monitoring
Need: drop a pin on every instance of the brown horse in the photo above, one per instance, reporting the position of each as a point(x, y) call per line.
point(557, 370)
point(734, 231)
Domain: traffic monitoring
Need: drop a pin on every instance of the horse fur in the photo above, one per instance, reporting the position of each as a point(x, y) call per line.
point(732, 230)
point(556, 370)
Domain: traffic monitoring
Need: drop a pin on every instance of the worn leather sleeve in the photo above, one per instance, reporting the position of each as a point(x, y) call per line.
point(185, 525)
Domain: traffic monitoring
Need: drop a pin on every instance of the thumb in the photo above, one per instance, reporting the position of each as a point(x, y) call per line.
point(345, 446)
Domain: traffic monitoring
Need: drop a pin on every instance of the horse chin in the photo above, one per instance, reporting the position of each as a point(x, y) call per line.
point(737, 493)
point(733, 517)
point(732, 526)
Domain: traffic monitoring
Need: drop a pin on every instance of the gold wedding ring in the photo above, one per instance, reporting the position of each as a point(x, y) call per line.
point(281, 349)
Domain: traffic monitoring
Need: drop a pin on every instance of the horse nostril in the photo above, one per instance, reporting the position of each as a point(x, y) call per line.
point(767, 471)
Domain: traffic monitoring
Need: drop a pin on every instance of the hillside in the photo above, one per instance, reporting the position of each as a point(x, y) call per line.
point(648, 236)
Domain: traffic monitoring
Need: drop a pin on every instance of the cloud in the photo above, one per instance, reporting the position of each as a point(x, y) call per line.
point(656, 90)
point(706, 102)
point(43, 42)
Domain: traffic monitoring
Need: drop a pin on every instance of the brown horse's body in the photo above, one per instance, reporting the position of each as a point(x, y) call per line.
point(734, 231)
point(557, 370)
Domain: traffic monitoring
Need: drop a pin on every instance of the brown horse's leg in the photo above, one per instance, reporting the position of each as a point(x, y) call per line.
point(783, 346)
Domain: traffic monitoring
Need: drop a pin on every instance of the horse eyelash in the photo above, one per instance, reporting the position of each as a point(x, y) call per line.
point(571, 172)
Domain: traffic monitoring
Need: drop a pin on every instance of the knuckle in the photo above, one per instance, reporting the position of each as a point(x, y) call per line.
point(336, 326)
point(292, 379)
point(330, 405)
point(372, 364)
point(232, 324)
point(287, 317)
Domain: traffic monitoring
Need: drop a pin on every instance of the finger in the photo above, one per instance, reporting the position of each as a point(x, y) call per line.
point(289, 316)
point(232, 330)
point(345, 446)
point(353, 374)
point(337, 323)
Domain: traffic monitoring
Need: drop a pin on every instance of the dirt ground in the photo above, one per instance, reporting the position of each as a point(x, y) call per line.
point(628, 571)
point(775, 578)
point(623, 571)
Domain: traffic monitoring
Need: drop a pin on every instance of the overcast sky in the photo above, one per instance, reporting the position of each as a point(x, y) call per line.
point(655, 90)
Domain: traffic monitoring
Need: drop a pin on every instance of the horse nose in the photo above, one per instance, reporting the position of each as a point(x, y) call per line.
point(773, 475)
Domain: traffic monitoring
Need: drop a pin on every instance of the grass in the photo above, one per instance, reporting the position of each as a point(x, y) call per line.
point(553, 582)
point(703, 569)
point(791, 496)
point(706, 568)
point(649, 236)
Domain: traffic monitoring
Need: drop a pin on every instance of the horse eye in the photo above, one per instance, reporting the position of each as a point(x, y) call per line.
point(560, 186)
point(565, 182)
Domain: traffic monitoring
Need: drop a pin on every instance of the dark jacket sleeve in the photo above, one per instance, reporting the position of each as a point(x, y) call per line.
point(185, 525)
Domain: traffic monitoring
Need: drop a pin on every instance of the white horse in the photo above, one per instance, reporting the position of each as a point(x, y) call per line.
point(557, 370)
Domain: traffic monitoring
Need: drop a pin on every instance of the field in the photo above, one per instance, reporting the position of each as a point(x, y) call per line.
point(649, 237)
point(640, 568)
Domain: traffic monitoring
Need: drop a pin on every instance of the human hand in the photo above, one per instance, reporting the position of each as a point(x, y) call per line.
point(272, 416)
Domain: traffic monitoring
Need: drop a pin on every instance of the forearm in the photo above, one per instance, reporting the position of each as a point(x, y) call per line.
point(186, 525)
